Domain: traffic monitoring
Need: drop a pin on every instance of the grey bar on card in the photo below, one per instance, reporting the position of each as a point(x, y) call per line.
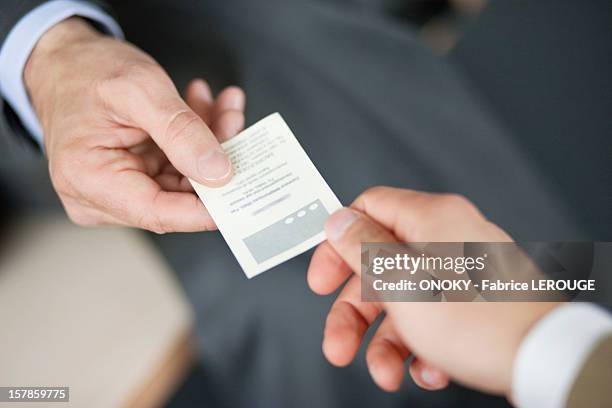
point(288, 232)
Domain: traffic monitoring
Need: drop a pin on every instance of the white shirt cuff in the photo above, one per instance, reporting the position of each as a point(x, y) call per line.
point(553, 353)
point(22, 39)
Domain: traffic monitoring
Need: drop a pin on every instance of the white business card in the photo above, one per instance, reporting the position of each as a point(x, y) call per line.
point(275, 206)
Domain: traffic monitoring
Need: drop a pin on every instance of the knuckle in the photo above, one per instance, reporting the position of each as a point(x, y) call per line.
point(372, 194)
point(132, 79)
point(375, 191)
point(178, 124)
point(147, 71)
point(138, 71)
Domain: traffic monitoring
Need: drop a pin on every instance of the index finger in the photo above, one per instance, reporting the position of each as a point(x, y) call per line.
point(327, 270)
point(415, 216)
point(347, 229)
point(334, 260)
point(140, 202)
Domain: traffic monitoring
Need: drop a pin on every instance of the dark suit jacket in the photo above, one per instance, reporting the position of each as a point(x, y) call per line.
point(11, 12)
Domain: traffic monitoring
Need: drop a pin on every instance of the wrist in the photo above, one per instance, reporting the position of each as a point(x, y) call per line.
point(529, 315)
point(71, 31)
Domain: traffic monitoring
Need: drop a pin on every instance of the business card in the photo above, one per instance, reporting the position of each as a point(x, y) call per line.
point(275, 206)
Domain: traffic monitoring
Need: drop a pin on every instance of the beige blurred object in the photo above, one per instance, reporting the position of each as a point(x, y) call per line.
point(96, 310)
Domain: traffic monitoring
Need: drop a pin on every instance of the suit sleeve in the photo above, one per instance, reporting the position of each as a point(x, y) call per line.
point(12, 11)
point(21, 22)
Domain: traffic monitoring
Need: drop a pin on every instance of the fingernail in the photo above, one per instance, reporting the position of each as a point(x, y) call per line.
point(430, 377)
point(339, 222)
point(214, 165)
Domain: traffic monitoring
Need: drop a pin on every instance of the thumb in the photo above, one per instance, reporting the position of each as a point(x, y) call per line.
point(154, 105)
point(347, 229)
point(415, 216)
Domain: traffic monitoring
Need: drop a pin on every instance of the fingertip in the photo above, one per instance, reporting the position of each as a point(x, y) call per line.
point(214, 168)
point(344, 329)
point(228, 124)
point(386, 375)
point(200, 90)
point(231, 98)
point(327, 271)
point(313, 276)
point(427, 377)
point(386, 366)
point(337, 224)
point(334, 349)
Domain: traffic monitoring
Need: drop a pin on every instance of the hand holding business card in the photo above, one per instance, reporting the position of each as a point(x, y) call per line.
point(277, 203)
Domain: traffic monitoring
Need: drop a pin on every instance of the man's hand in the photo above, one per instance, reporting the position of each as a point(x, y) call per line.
point(119, 138)
point(473, 343)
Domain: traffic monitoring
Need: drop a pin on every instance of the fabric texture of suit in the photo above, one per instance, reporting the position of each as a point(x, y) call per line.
point(12, 11)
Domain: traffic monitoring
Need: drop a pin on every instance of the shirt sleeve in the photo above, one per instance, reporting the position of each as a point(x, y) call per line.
point(553, 352)
point(22, 39)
